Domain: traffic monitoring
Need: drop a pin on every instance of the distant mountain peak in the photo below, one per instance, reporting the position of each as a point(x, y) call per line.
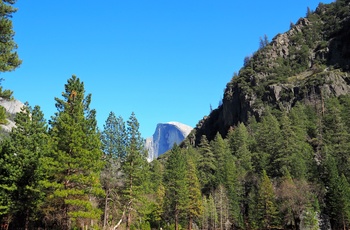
point(164, 138)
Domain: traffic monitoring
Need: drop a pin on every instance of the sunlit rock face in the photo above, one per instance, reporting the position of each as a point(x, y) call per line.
point(164, 138)
point(12, 107)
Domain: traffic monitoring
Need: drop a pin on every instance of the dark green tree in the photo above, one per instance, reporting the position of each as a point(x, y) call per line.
point(337, 196)
point(206, 166)
point(29, 140)
point(220, 149)
point(268, 137)
point(194, 206)
point(75, 163)
point(336, 137)
point(175, 183)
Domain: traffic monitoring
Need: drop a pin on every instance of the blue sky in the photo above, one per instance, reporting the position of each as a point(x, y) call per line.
point(164, 60)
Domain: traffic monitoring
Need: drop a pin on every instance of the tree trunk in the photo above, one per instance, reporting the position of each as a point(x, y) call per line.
point(190, 223)
point(26, 225)
point(176, 218)
point(105, 217)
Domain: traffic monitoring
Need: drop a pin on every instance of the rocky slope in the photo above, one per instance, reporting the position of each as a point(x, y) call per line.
point(12, 107)
point(164, 137)
point(306, 64)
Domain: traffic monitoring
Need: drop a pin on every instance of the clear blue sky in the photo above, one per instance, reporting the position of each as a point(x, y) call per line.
point(164, 60)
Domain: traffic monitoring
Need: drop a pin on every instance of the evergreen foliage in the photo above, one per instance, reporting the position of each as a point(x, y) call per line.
point(134, 169)
point(8, 56)
point(175, 182)
point(75, 161)
point(287, 169)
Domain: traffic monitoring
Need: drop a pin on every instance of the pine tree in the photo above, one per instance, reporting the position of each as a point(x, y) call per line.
point(233, 190)
point(10, 171)
point(9, 59)
point(175, 183)
point(267, 137)
point(344, 201)
point(194, 206)
point(206, 166)
point(113, 138)
point(8, 55)
point(134, 168)
point(239, 145)
point(294, 152)
point(29, 140)
point(75, 164)
point(337, 139)
point(158, 190)
point(266, 206)
point(219, 149)
point(337, 196)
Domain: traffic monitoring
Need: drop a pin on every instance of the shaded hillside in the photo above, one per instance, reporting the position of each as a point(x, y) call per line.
point(308, 63)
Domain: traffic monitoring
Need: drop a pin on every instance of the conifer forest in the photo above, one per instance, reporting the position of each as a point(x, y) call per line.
point(283, 166)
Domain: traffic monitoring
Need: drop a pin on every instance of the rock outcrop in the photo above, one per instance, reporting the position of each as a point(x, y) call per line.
point(12, 107)
point(306, 64)
point(164, 137)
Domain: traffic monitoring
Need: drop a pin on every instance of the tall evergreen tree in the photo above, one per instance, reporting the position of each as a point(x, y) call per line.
point(21, 171)
point(233, 190)
point(206, 166)
point(267, 137)
point(175, 182)
point(29, 140)
point(10, 171)
point(337, 196)
point(113, 138)
point(337, 139)
point(219, 149)
point(134, 168)
point(76, 163)
point(194, 206)
point(266, 205)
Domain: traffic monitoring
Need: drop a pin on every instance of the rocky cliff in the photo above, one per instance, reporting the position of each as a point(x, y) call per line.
point(164, 137)
point(12, 107)
point(307, 64)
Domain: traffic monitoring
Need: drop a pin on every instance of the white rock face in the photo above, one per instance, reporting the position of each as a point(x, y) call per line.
point(12, 107)
point(164, 138)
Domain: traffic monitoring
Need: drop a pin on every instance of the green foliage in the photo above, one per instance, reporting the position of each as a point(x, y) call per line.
point(113, 139)
point(75, 163)
point(135, 169)
point(22, 169)
point(6, 94)
point(175, 183)
point(206, 166)
point(8, 56)
point(266, 204)
point(3, 116)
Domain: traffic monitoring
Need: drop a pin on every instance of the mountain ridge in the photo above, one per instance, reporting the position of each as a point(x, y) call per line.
point(308, 63)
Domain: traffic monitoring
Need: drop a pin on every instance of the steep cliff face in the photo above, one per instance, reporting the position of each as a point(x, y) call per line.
point(308, 63)
point(12, 107)
point(164, 137)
